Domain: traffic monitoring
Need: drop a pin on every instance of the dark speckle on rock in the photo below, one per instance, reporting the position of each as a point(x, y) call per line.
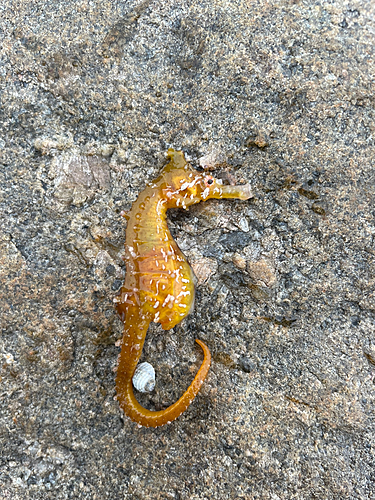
point(247, 365)
point(311, 195)
point(276, 94)
point(258, 140)
point(116, 284)
point(318, 209)
point(110, 269)
point(235, 240)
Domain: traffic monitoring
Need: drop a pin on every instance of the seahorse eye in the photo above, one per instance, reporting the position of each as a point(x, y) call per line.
point(208, 180)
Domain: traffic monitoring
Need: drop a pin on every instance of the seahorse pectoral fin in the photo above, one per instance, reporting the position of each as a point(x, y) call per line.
point(147, 418)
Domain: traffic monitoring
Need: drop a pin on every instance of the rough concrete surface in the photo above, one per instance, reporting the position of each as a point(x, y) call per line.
point(278, 94)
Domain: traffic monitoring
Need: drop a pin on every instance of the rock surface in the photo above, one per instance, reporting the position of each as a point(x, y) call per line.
point(279, 94)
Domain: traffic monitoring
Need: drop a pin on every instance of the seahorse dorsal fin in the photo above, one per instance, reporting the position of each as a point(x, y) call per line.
point(177, 159)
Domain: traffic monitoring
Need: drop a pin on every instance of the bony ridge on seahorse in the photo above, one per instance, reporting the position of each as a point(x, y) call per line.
point(159, 282)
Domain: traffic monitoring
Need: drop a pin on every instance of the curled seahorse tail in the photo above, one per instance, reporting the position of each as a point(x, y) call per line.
point(147, 418)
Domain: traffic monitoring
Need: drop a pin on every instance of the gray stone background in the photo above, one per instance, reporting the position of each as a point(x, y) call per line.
point(278, 94)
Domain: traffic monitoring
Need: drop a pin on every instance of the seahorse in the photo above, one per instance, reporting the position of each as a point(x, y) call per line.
point(159, 283)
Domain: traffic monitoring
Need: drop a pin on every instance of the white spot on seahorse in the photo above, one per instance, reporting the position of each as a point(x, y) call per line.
point(132, 253)
point(169, 298)
point(205, 193)
point(156, 317)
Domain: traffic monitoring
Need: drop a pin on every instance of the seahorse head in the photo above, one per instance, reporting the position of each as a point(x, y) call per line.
point(184, 186)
